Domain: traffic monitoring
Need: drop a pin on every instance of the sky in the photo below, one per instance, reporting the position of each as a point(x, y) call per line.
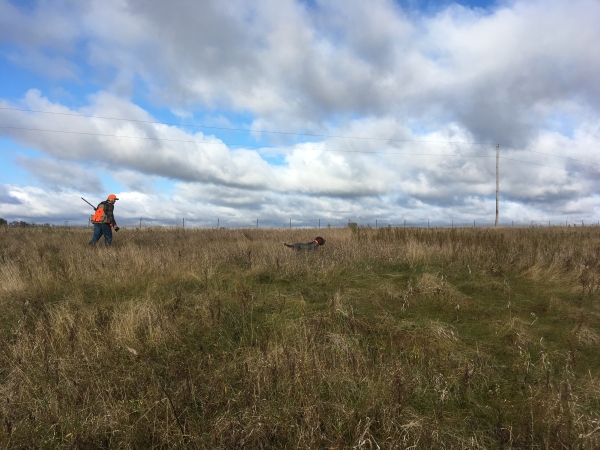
point(301, 112)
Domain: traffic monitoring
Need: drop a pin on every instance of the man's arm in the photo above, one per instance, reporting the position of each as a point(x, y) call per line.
point(110, 214)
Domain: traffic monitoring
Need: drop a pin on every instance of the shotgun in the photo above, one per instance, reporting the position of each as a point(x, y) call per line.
point(88, 203)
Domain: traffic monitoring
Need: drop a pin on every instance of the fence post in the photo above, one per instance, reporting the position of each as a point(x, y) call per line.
point(290, 224)
point(473, 223)
point(140, 223)
point(375, 223)
point(256, 223)
point(404, 223)
point(427, 223)
point(217, 223)
point(183, 223)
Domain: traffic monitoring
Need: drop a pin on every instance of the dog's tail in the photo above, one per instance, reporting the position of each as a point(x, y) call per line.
point(288, 245)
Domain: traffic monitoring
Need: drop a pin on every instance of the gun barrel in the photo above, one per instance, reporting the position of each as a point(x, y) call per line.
point(89, 203)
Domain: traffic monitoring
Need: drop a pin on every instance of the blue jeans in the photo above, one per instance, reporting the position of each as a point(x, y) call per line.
point(102, 229)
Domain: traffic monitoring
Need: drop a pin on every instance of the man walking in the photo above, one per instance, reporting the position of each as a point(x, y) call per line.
point(104, 220)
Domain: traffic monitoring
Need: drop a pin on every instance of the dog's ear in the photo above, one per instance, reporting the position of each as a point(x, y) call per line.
point(320, 240)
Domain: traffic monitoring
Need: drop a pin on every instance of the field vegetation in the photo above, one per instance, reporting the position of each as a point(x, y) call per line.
point(384, 338)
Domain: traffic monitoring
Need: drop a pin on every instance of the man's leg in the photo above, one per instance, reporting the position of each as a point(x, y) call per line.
point(107, 230)
point(97, 234)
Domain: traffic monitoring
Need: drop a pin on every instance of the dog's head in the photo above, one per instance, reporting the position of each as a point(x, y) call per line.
point(319, 240)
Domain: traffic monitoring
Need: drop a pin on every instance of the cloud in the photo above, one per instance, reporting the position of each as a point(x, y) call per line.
point(41, 205)
point(59, 175)
point(42, 39)
point(170, 152)
point(499, 72)
point(493, 72)
point(48, 25)
point(135, 181)
point(496, 72)
point(6, 198)
point(152, 149)
point(53, 67)
point(439, 169)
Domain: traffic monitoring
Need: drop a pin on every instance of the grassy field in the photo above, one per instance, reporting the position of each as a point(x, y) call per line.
point(388, 338)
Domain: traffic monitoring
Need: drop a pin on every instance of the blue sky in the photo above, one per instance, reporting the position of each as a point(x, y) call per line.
point(337, 110)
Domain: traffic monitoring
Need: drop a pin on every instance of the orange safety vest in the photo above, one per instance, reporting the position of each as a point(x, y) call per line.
point(100, 216)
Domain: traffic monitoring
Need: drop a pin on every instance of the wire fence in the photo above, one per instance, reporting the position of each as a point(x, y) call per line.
point(300, 223)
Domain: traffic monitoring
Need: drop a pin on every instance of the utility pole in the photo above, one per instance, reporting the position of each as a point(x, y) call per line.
point(497, 181)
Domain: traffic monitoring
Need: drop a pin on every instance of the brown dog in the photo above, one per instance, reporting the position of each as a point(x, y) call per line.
point(311, 246)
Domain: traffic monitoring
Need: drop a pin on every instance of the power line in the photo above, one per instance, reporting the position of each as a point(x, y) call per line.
point(550, 154)
point(284, 133)
point(239, 129)
point(295, 147)
point(236, 145)
point(551, 167)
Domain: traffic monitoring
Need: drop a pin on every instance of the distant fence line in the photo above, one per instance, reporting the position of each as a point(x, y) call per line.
point(186, 223)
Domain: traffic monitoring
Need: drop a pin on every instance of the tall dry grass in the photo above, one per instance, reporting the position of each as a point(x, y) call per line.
point(388, 338)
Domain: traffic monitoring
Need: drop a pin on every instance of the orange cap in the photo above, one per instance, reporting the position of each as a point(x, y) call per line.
point(113, 196)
